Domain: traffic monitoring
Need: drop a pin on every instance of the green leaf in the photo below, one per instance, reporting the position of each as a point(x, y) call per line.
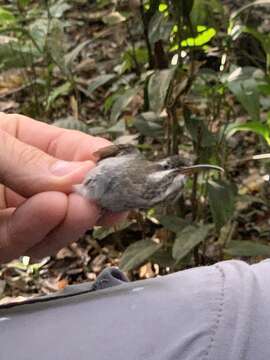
point(243, 83)
point(55, 43)
point(132, 57)
point(101, 233)
point(162, 7)
point(147, 127)
point(38, 31)
point(118, 128)
point(151, 116)
point(6, 17)
point(71, 56)
point(59, 8)
point(72, 124)
point(99, 81)
point(204, 12)
point(159, 28)
point(201, 39)
point(198, 131)
point(137, 254)
point(63, 89)
point(158, 87)
point(15, 55)
point(173, 223)
point(238, 248)
point(254, 126)
point(187, 239)
point(121, 103)
point(222, 200)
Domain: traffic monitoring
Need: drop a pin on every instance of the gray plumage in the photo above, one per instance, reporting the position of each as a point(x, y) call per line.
point(123, 180)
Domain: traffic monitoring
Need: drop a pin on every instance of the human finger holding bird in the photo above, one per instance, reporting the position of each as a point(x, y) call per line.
point(39, 164)
point(55, 184)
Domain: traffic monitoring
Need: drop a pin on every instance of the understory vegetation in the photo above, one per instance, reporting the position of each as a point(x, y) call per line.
point(189, 77)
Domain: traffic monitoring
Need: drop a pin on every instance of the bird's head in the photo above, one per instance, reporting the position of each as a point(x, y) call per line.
point(170, 175)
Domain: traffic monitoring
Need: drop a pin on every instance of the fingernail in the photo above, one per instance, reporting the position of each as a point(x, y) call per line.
point(61, 167)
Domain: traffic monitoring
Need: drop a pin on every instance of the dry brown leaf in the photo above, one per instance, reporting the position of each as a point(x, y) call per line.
point(11, 81)
point(17, 299)
point(8, 105)
point(86, 65)
point(146, 271)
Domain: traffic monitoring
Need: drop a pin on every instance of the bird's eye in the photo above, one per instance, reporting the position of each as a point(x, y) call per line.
point(165, 166)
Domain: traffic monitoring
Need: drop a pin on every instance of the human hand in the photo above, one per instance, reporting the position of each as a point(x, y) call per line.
point(39, 214)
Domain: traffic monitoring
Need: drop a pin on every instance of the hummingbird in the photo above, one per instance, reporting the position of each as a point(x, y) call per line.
point(124, 179)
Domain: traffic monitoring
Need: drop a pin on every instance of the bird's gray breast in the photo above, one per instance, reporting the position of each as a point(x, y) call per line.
point(109, 183)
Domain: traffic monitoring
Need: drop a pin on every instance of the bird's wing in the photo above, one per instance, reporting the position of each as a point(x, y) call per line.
point(115, 150)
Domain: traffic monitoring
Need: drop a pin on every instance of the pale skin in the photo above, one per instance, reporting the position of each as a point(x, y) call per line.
point(39, 212)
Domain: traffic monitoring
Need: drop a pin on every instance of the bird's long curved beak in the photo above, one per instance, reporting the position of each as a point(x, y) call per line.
point(188, 170)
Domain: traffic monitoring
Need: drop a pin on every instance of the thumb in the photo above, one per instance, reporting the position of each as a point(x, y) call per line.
point(28, 170)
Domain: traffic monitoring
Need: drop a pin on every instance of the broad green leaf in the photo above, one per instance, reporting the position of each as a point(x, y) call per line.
point(121, 103)
point(173, 223)
point(148, 128)
point(159, 28)
point(254, 126)
point(201, 39)
point(63, 89)
point(59, 8)
point(198, 131)
point(137, 254)
point(243, 83)
point(222, 201)
point(187, 239)
point(6, 17)
point(151, 116)
point(158, 87)
point(55, 43)
point(15, 55)
point(204, 12)
point(99, 81)
point(72, 124)
point(108, 103)
point(39, 31)
point(118, 128)
point(247, 248)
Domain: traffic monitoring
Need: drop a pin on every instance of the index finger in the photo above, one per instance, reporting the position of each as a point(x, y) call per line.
point(60, 143)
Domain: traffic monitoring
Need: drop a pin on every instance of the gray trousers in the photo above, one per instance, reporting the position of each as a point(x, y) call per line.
point(209, 313)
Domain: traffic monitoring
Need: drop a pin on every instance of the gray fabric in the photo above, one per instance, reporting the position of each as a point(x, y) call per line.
point(108, 278)
point(209, 313)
